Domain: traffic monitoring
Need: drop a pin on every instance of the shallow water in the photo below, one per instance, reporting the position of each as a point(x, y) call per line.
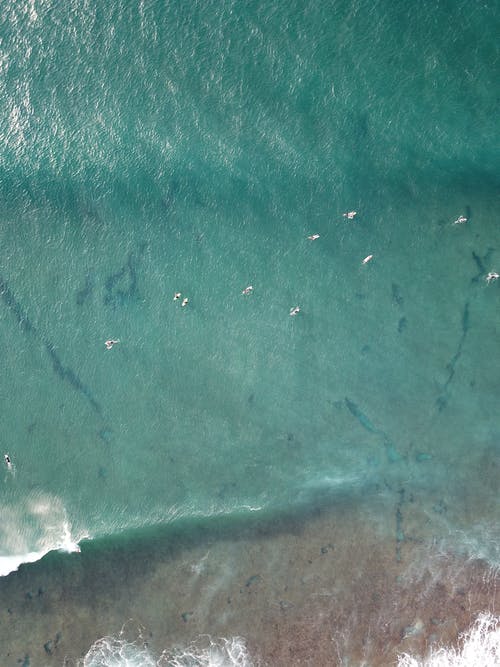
point(153, 148)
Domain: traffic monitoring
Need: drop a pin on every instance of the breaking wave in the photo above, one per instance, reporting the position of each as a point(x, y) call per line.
point(32, 529)
point(479, 647)
point(119, 652)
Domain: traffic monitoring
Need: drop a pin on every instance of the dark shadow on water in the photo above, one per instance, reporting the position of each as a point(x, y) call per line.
point(65, 373)
point(122, 286)
point(104, 562)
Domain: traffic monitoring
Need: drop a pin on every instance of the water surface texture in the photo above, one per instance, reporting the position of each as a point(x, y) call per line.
point(149, 148)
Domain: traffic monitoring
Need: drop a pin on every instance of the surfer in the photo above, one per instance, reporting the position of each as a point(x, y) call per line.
point(313, 237)
point(492, 275)
point(8, 461)
point(350, 215)
point(294, 311)
point(248, 290)
point(177, 295)
point(460, 220)
point(367, 259)
point(185, 302)
point(109, 343)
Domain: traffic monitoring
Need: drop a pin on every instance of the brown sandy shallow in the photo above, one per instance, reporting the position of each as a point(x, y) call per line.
point(332, 587)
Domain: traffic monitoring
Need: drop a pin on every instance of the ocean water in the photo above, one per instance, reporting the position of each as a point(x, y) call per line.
point(479, 646)
point(152, 147)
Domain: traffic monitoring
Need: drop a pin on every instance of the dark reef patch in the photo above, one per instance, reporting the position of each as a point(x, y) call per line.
point(15, 307)
point(85, 293)
point(65, 373)
point(121, 287)
point(390, 449)
point(397, 296)
point(68, 375)
point(442, 400)
point(481, 263)
point(400, 535)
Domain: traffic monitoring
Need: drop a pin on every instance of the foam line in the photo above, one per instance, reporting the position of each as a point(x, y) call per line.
point(479, 647)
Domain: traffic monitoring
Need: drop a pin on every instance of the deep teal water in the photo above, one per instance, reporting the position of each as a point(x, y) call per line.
point(152, 147)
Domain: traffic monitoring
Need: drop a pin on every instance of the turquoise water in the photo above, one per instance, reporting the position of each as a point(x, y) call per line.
point(150, 148)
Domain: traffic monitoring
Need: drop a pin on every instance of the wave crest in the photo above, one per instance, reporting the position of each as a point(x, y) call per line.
point(33, 528)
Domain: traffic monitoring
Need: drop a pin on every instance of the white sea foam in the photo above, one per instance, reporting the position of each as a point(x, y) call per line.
point(10, 564)
point(479, 647)
point(326, 483)
point(119, 652)
point(221, 653)
point(67, 542)
point(30, 530)
point(250, 508)
point(116, 652)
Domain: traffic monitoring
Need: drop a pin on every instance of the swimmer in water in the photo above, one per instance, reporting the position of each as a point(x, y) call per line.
point(313, 237)
point(177, 295)
point(109, 343)
point(350, 215)
point(294, 311)
point(248, 290)
point(185, 302)
point(8, 461)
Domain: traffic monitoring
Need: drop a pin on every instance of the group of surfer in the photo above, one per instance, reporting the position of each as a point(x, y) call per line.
point(185, 301)
point(350, 215)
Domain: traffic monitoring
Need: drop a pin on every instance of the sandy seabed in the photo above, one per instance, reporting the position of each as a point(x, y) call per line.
point(332, 587)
